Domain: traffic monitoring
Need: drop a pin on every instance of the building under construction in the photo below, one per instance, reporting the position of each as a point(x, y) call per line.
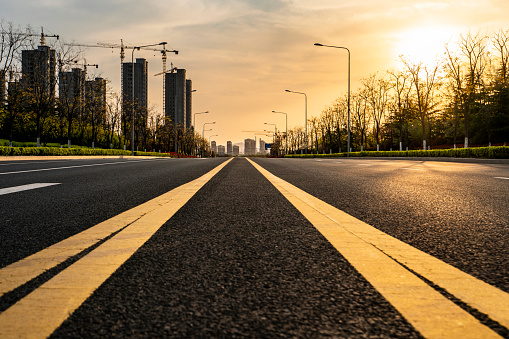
point(178, 98)
point(38, 68)
point(140, 83)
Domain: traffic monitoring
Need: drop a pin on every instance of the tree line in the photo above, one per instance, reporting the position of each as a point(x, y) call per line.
point(460, 100)
point(32, 110)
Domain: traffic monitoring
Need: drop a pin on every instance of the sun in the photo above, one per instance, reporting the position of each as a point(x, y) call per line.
point(424, 44)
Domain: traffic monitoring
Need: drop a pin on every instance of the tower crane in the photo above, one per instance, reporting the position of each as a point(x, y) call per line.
point(44, 36)
point(123, 47)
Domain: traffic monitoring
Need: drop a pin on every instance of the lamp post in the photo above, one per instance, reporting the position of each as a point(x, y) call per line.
point(275, 132)
point(305, 116)
point(348, 127)
point(194, 133)
point(286, 131)
point(132, 85)
point(194, 116)
point(207, 123)
point(210, 145)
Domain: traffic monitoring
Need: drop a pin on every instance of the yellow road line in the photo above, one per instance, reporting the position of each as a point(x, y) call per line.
point(42, 311)
point(377, 256)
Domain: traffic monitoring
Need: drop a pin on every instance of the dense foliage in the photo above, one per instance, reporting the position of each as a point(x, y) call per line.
point(497, 152)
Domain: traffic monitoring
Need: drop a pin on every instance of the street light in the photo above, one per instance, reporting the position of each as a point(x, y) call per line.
point(348, 129)
point(194, 124)
point(194, 117)
point(207, 123)
point(132, 85)
point(215, 135)
point(286, 131)
point(305, 116)
point(275, 131)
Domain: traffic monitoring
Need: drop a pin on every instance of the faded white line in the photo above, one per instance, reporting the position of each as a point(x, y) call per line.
point(413, 169)
point(501, 178)
point(28, 187)
point(69, 167)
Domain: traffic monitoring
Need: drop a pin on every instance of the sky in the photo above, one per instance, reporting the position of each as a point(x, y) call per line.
point(242, 54)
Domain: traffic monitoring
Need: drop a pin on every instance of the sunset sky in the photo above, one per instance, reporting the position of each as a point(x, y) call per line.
point(242, 54)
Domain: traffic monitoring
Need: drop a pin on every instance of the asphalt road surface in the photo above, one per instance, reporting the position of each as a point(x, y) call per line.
point(167, 248)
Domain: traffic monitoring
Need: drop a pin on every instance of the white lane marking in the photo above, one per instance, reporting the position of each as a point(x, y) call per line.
point(30, 162)
point(77, 166)
point(501, 178)
point(413, 169)
point(25, 187)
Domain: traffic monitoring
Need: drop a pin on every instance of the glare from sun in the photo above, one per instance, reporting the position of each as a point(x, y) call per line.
point(423, 44)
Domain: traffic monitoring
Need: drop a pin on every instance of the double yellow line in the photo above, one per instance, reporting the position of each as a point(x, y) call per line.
point(387, 263)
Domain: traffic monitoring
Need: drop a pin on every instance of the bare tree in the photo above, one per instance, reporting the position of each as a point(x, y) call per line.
point(377, 95)
point(12, 39)
point(361, 117)
point(501, 43)
point(425, 83)
point(400, 102)
point(474, 50)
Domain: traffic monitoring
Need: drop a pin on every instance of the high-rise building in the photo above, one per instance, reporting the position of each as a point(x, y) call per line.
point(38, 70)
point(177, 97)
point(3, 88)
point(140, 84)
point(95, 96)
point(262, 146)
point(213, 147)
point(229, 149)
point(221, 150)
point(236, 150)
point(189, 103)
point(71, 85)
point(249, 147)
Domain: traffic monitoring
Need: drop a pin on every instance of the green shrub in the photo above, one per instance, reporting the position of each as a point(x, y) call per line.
point(497, 152)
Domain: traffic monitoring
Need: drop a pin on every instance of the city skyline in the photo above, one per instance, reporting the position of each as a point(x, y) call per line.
point(242, 55)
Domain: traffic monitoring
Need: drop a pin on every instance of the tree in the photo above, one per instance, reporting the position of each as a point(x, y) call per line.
point(474, 50)
point(400, 101)
point(361, 117)
point(425, 83)
point(377, 95)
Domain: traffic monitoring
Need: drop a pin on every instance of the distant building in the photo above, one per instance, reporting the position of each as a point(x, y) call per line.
point(178, 98)
point(95, 97)
point(221, 150)
point(249, 147)
point(213, 147)
point(71, 85)
point(262, 146)
point(140, 84)
point(38, 70)
point(3, 88)
point(229, 149)
point(235, 151)
point(189, 103)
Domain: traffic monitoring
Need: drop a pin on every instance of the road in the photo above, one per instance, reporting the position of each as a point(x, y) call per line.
point(259, 248)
